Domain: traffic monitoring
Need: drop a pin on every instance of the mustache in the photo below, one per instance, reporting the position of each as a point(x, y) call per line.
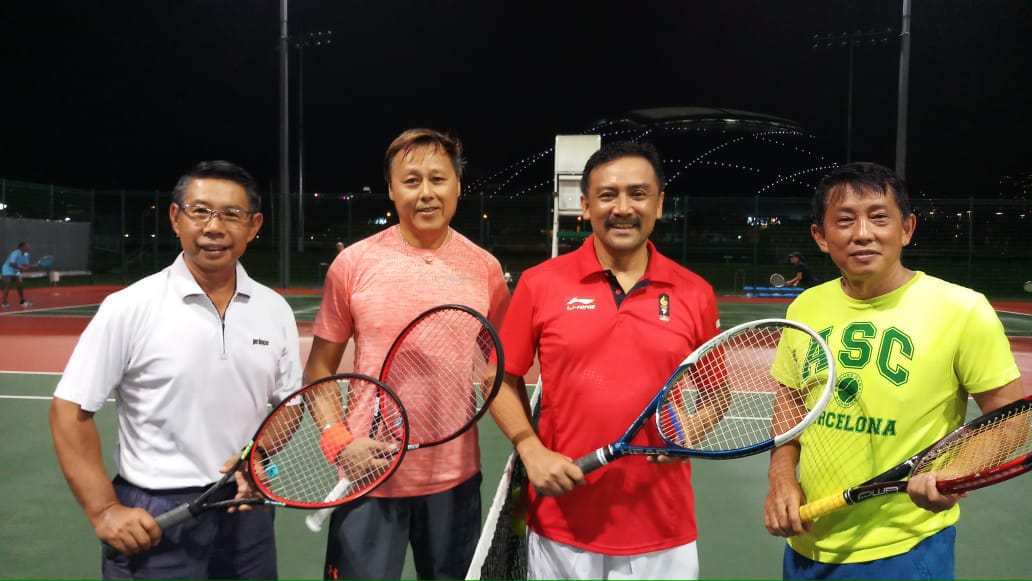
point(635, 222)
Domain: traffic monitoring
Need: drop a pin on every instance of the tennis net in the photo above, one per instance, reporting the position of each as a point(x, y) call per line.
point(501, 552)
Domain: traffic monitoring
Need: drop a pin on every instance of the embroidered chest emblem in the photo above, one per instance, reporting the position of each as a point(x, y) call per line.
point(664, 307)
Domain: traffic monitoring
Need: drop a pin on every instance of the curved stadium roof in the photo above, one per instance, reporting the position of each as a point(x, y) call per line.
point(706, 151)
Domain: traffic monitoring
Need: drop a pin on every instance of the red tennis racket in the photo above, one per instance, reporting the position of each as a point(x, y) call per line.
point(987, 450)
point(288, 459)
point(442, 366)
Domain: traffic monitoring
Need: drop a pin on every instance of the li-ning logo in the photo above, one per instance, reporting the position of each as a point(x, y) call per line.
point(259, 342)
point(578, 304)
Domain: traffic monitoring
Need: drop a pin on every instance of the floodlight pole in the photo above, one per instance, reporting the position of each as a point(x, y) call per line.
point(284, 151)
point(300, 147)
point(904, 90)
point(309, 39)
point(849, 40)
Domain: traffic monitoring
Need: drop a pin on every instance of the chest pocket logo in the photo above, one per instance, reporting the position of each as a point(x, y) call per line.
point(579, 304)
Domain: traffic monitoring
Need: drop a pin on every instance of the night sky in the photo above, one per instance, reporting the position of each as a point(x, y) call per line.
point(129, 94)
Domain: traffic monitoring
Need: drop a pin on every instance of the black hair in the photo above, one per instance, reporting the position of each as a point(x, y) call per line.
point(620, 149)
point(222, 170)
point(861, 177)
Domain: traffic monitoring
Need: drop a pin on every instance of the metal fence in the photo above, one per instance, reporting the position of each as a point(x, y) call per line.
point(733, 241)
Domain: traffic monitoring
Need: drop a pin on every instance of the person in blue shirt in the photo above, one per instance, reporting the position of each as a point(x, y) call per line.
point(12, 269)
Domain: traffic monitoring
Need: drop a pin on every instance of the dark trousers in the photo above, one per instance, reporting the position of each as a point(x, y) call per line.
point(932, 558)
point(215, 545)
point(368, 537)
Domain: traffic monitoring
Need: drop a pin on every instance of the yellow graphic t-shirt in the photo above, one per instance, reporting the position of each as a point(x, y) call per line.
point(906, 363)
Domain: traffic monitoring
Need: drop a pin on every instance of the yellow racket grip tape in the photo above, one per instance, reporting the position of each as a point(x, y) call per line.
point(828, 504)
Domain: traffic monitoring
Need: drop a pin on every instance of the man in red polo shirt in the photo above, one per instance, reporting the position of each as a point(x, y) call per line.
point(608, 322)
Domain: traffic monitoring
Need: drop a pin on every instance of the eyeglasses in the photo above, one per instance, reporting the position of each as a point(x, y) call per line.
point(203, 214)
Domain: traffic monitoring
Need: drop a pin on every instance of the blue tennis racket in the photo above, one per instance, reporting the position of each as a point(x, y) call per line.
point(722, 400)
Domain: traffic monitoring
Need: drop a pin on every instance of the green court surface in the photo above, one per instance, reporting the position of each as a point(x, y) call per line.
point(43, 533)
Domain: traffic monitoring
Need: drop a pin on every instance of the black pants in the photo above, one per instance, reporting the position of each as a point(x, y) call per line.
point(368, 538)
point(216, 545)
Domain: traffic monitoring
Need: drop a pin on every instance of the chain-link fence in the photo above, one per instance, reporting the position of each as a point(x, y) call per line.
point(732, 241)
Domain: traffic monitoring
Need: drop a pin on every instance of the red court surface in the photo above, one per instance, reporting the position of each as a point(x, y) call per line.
point(43, 344)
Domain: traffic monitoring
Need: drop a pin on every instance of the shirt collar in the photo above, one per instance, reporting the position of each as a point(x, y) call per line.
point(186, 285)
point(659, 269)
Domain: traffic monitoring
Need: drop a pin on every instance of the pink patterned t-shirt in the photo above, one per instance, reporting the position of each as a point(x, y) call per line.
point(377, 286)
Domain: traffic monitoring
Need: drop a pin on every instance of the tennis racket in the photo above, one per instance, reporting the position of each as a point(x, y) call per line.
point(987, 450)
point(442, 365)
point(46, 262)
point(777, 280)
point(722, 400)
point(288, 457)
point(1027, 286)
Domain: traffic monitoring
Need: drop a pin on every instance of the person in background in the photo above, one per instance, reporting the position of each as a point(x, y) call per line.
point(193, 355)
point(340, 247)
point(373, 289)
point(16, 263)
point(803, 277)
point(608, 322)
point(913, 349)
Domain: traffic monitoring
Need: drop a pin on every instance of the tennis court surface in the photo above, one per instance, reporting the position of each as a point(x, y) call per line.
point(43, 533)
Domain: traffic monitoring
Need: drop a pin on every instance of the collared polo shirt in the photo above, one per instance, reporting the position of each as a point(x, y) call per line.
point(602, 360)
point(190, 387)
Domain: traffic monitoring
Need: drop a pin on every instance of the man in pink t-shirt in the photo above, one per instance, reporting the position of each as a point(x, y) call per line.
point(373, 289)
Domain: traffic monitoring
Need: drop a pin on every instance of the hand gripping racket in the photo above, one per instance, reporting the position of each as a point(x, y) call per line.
point(777, 280)
point(990, 449)
point(442, 365)
point(288, 459)
point(722, 399)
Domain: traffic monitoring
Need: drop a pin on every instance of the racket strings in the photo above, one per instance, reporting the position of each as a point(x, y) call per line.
point(290, 464)
point(728, 400)
point(983, 448)
point(438, 369)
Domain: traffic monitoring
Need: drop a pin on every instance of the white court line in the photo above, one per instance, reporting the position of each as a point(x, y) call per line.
point(37, 397)
point(31, 310)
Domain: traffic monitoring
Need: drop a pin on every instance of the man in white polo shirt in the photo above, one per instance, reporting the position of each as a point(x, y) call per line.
point(193, 355)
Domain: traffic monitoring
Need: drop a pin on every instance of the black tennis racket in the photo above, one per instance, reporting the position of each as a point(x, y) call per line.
point(777, 280)
point(987, 450)
point(722, 400)
point(442, 365)
point(288, 457)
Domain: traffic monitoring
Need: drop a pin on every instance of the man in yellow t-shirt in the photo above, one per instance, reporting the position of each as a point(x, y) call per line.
point(910, 349)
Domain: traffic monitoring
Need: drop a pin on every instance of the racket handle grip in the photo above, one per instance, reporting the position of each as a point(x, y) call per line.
point(315, 520)
point(821, 507)
point(165, 520)
point(594, 460)
point(177, 515)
